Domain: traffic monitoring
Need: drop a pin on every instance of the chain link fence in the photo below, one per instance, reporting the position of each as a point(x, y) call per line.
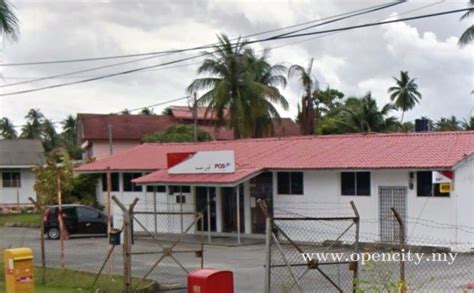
point(330, 254)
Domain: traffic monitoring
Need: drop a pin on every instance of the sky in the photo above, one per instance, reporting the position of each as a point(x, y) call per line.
point(354, 62)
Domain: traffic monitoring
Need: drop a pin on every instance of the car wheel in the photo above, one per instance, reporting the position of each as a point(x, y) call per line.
point(53, 233)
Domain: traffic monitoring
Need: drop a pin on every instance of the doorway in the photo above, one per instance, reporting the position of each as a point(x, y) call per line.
point(201, 206)
point(391, 196)
point(229, 209)
point(261, 187)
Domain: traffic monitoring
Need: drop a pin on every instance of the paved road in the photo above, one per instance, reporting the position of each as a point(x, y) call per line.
point(246, 262)
point(87, 254)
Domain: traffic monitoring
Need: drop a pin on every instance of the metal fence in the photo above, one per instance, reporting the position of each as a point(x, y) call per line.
point(292, 241)
point(166, 246)
point(328, 253)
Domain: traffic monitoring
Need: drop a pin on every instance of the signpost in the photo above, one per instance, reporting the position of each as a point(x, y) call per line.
point(444, 179)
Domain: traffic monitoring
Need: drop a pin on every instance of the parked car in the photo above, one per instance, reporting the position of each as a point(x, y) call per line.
point(78, 219)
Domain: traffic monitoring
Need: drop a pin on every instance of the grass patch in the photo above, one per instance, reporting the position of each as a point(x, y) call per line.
point(19, 220)
point(59, 280)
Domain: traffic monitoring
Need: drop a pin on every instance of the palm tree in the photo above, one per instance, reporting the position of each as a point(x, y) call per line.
point(363, 115)
point(405, 94)
point(267, 78)
point(33, 128)
point(7, 129)
point(69, 126)
point(228, 87)
point(50, 137)
point(8, 20)
point(448, 124)
point(147, 111)
point(468, 34)
point(468, 124)
point(310, 85)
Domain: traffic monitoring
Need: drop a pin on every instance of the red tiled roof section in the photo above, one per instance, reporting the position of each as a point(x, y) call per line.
point(96, 126)
point(185, 113)
point(133, 127)
point(432, 150)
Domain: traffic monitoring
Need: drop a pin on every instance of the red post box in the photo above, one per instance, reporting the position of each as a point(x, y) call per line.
point(210, 281)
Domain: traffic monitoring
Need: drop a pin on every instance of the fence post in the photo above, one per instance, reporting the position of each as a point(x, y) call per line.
point(43, 255)
point(402, 247)
point(356, 246)
point(268, 239)
point(127, 243)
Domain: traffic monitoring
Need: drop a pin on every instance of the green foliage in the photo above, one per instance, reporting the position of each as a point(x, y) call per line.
point(405, 93)
point(147, 111)
point(177, 133)
point(468, 124)
point(363, 115)
point(306, 113)
point(7, 129)
point(448, 124)
point(84, 188)
point(240, 88)
point(56, 174)
point(468, 34)
point(9, 24)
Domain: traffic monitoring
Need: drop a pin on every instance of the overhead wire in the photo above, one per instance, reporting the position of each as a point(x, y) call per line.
point(202, 47)
point(250, 42)
point(336, 18)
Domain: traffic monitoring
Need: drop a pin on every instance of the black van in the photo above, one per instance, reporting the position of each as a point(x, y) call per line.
point(78, 219)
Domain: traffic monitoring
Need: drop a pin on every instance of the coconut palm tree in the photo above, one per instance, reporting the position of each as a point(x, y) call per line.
point(468, 124)
point(241, 86)
point(50, 137)
point(405, 93)
point(267, 78)
point(7, 129)
point(468, 34)
point(147, 111)
point(69, 126)
point(8, 20)
point(363, 115)
point(310, 85)
point(448, 124)
point(33, 128)
point(227, 86)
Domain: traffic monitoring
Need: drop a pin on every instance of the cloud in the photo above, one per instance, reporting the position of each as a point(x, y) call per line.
point(353, 62)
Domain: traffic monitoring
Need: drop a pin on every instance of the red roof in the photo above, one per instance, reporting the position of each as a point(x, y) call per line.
point(134, 127)
point(430, 150)
point(185, 113)
point(96, 126)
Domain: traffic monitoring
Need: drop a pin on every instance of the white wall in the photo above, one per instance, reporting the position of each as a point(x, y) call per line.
point(8, 195)
point(164, 203)
point(430, 220)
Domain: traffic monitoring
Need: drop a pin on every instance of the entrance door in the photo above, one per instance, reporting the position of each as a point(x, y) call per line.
point(229, 209)
point(201, 206)
point(261, 187)
point(391, 196)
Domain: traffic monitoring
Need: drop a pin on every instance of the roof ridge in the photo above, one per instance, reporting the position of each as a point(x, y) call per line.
point(326, 136)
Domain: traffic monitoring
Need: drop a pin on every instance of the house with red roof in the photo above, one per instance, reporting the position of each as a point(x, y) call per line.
point(101, 135)
point(426, 176)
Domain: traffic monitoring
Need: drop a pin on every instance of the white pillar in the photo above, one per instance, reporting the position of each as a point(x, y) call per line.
point(219, 209)
point(238, 213)
point(247, 209)
point(208, 215)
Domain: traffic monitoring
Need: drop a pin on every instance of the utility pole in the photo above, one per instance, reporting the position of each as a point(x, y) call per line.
point(195, 117)
point(110, 139)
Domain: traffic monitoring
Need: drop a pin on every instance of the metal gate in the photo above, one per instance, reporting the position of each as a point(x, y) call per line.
point(289, 239)
point(391, 197)
point(171, 251)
